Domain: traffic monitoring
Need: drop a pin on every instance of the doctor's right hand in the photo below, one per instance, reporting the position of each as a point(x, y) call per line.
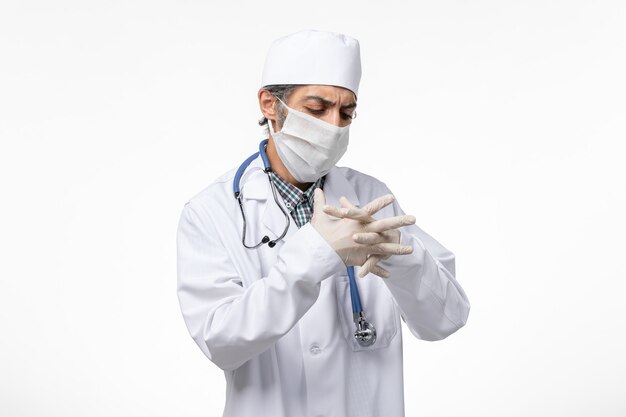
point(339, 233)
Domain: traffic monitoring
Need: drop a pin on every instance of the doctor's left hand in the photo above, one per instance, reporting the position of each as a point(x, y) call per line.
point(377, 237)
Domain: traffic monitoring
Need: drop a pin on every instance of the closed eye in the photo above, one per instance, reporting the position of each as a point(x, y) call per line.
point(316, 111)
point(344, 116)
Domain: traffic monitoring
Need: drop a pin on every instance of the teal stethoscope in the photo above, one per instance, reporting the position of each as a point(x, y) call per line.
point(365, 333)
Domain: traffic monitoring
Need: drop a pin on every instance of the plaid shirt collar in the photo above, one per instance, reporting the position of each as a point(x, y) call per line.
point(294, 197)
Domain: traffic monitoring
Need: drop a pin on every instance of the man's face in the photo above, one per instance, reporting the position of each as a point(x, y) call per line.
point(331, 104)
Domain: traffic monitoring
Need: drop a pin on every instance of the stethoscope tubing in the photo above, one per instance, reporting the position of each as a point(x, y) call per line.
point(354, 292)
point(357, 309)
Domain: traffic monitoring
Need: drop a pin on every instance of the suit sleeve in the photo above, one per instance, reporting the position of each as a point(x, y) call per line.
point(432, 302)
point(231, 323)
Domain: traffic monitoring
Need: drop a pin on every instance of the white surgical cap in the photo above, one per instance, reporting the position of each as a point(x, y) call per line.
point(314, 57)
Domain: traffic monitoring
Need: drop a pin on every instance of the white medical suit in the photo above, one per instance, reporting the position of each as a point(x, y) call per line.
point(278, 320)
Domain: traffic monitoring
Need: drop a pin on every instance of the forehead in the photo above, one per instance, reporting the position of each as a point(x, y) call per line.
point(327, 92)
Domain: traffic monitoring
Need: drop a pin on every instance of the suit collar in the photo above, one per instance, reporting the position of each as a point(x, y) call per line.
point(255, 185)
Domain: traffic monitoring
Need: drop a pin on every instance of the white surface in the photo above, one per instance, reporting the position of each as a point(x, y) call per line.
point(510, 117)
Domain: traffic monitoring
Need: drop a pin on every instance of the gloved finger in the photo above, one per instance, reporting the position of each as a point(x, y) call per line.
point(390, 223)
point(380, 271)
point(349, 213)
point(370, 238)
point(369, 264)
point(390, 249)
point(335, 211)
point(344, 202)
point(319, 201)
point(373, 268)
point(355, 212)
point(378, 203)
point(362, 214)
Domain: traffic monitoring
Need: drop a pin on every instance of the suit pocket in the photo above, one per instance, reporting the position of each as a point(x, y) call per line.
point(378, 307)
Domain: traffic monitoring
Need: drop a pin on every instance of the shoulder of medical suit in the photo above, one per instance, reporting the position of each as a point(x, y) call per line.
point(220, 191)
point(220, 186)
point(363, 183)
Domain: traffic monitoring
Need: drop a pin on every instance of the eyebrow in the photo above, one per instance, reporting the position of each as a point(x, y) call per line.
point(328, 102)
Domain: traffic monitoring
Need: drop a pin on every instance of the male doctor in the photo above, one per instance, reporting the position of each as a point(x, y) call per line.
point(276, 313)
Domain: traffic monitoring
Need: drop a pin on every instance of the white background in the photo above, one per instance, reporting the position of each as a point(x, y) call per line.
point(499, 124)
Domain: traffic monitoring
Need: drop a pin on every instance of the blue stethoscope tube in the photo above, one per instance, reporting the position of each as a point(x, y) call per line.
point(365, 333)
point(237, 192)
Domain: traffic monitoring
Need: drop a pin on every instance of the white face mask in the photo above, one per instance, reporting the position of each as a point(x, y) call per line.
point(307, 146)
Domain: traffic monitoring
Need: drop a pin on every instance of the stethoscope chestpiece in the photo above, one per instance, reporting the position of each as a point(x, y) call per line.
point(365, 333)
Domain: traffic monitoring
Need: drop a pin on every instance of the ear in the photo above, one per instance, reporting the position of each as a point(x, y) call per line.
point(266, 104)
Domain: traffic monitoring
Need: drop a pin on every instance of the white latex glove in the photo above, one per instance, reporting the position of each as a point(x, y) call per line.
point(392, 236)
point(339, 233)
point(364, 214)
